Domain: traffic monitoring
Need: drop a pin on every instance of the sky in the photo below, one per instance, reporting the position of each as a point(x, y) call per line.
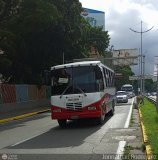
point(120, 16)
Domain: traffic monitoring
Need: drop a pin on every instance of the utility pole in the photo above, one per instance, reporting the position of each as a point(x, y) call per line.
point(143, 73)
point(141, 55)
point(63, 58)
point(156, 83)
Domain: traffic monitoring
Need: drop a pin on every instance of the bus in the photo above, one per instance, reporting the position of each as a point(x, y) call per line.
point(81, 90)
point(129, 89)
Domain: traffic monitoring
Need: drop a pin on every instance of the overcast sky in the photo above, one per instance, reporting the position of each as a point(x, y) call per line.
point(120, 15)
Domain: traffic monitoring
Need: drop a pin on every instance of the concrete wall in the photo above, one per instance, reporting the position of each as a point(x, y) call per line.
point(14, 109)
point(16, 99)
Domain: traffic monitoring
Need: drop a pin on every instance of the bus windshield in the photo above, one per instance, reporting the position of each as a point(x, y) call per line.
point(127, 88)
point(74, 80)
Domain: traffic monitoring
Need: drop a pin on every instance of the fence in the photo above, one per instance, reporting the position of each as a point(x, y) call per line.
point(22, 93)
point(14, 98)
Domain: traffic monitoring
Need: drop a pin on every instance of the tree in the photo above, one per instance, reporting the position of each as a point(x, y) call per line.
point(33, 27)
point(150, 86)
point(8, 8)
point(37, 33)
point(124, 79)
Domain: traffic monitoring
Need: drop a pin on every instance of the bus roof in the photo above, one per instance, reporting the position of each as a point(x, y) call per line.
point(82, 63)
point(127, 85)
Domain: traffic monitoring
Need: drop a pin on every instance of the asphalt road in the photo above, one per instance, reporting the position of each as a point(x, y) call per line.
point(39, 137)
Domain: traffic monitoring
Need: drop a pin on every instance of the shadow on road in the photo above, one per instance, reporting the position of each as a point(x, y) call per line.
point(73, 135)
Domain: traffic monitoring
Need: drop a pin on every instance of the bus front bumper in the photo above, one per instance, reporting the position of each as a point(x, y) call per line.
point(64, 114)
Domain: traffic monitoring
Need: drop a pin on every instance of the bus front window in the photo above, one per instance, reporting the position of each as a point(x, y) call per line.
point(84, 78)
point(77, 80)
point(60, 81)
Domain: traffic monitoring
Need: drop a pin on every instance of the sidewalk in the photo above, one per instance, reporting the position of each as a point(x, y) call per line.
point(135, 147)
point(23, 113)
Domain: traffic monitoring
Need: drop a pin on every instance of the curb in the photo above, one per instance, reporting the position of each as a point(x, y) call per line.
point(22, 116)
point(145, 138)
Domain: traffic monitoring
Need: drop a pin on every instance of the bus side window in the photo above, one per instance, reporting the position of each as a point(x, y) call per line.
point(107, 78)
point(104, 70)
point(98, 73)
point(112, 81)
point(110, 77)
point(99, 77)
point(102, 82)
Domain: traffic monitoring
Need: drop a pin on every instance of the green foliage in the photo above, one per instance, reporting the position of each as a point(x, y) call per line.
point(150, 121)
point(150, 86)
point(35, 34)
point(124, 79)
point(8, 8)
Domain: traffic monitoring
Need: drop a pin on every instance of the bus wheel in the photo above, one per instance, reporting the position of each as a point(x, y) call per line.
point(111, 113)
point(62, 123)
point(101, 119)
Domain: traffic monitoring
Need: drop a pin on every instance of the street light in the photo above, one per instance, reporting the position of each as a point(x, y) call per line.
point(157, 83)
point(141, 57)
point(143, 74)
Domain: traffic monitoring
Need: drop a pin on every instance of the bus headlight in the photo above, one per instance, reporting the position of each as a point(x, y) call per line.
point(92, 108)
point(57, 110)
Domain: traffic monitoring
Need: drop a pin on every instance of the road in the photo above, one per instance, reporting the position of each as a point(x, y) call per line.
point(39, 137)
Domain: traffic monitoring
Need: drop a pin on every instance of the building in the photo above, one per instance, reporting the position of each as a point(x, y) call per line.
point(94, 17)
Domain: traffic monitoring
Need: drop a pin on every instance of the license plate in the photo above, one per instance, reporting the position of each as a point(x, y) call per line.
point(74, 117)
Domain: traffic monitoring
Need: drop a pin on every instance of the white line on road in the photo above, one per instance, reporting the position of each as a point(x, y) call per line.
point(120, 149)
point(123, 143)
point(27, 139)
point(129, 115)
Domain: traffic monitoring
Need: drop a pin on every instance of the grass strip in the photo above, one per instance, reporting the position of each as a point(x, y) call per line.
point(150, 121)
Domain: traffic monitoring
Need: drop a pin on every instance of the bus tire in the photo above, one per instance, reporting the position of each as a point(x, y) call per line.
point(111, 113)
point(62, 123)
point(101, 119)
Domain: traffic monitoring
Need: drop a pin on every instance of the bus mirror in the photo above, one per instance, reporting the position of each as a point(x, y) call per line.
point(47, 78)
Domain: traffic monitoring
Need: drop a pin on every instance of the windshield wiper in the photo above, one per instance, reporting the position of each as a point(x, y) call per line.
point(76, 87)
point(65, 90)
point(81, 91)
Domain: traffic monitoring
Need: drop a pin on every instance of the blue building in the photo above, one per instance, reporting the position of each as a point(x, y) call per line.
point(94, 17)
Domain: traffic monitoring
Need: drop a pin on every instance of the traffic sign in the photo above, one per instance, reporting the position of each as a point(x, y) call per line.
point(118, 75)
point(139, 77)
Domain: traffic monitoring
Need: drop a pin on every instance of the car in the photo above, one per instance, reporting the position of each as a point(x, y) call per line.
point(129, 89)
point(131, 94)
point(153, 93)
point(122, 96)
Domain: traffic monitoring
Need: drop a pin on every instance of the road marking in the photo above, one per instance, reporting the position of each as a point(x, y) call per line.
point(120, 149)
point(28, 138)
point(23, 116)
point(129, 115)
point(123, 143)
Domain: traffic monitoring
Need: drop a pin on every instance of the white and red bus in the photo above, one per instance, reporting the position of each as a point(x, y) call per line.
point(82, 90)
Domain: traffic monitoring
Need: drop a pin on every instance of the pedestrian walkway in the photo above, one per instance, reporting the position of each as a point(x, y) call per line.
point(135, 147)
point(23, 113)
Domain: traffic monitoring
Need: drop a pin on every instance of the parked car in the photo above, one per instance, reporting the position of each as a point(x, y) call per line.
point(122, 96)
